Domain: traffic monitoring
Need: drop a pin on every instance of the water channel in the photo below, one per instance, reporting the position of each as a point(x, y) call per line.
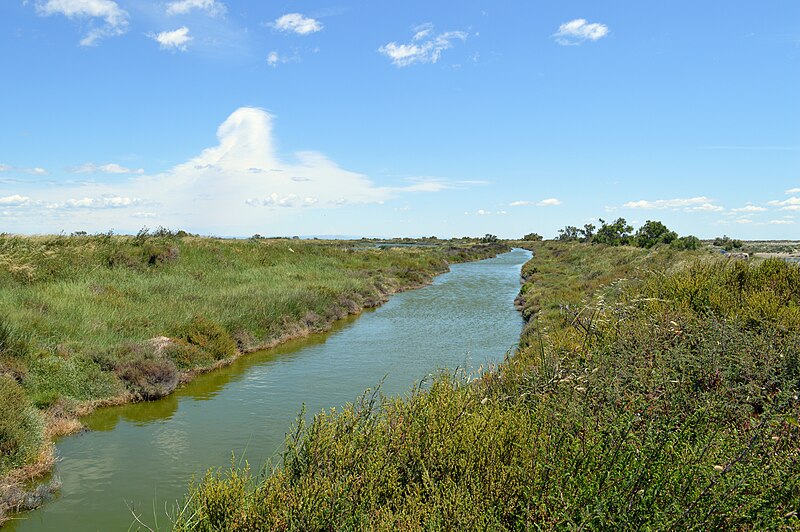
point(141, 457)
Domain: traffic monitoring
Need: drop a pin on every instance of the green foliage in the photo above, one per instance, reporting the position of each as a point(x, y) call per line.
point(532, 237)
point(21, 428)
point(207, 336)
point(616, 233)
point(656, 390)
point(652, 233)
point(727, 243)
point(488, 239)
point(79, 311)
point(686, 243)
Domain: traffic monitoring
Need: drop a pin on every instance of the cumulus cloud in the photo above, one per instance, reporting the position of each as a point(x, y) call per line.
point(578, 31)
point(114, 19)
point(172, 40)
point(14, 201)
point(110, 168)
point(297, 23)
point(211, 7)
point(425, 46)
point(233, 187)
point(699, 203)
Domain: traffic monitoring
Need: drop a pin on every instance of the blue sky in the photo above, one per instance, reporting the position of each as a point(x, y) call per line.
point(416, 118)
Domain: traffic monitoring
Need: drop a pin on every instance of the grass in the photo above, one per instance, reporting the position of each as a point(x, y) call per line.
point(92, 320)
point(654, 390)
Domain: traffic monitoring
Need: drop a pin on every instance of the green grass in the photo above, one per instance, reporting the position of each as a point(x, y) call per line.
point(79, 313)
point(655, 390)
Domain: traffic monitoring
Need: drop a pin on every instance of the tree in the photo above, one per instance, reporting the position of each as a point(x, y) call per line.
point(567, 234)
point(532, 237)
point(489, 238)
point(616, 233)
point(686, 242)
point(652, 233)
point(588, 232)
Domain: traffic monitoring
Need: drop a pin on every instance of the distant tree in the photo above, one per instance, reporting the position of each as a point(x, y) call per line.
point(569, 233)
point(532, 237)
point(727, 243)
point(652, 233)
point(616, 233)
point(587, 232)
point(489, 238)
point(686, 242)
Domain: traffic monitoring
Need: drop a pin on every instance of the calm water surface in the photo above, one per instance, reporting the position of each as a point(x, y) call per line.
point(143, 456)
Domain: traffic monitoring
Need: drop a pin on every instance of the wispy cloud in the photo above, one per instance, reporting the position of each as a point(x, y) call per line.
point(172, 40)
point(425, 46)
point(793, 191)
point(110, 168)
point(297, 23)
point(791, 204)
point(578, 31)
point(699, 203)
point(107, 201)
point(520, 203)
point(549, 202)
point(36, 170)
point(114, 19)
point(750, 208)
point(211, 7)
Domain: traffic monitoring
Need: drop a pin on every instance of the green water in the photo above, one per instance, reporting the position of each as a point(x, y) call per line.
point(141, 457)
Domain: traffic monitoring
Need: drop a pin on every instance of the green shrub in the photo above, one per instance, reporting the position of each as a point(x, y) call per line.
point(21, 428)
point(209, 337)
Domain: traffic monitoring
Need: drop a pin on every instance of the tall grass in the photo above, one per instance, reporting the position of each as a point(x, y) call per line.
point(654, 390)
point(88, 319)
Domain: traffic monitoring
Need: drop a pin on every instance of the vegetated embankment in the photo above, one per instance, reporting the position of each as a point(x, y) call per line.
point(653, 389)
point(87, 321)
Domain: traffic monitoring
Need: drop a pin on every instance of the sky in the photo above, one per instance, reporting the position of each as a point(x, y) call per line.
point(415, 118)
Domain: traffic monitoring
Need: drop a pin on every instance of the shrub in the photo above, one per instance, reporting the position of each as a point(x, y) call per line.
point(208, 336)
point(21, 428)
point(148, 378)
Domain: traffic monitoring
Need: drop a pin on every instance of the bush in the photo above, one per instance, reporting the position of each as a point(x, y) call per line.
point(209, 337)
point(686, 243)
point(21, 428)
point(147, 373)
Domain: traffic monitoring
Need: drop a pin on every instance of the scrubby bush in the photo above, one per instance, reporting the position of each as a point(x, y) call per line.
point(21, 428)
point(686, 243)
point(208, 336)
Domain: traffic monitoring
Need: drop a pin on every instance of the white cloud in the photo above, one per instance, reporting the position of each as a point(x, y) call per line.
point(297, 23)
point(273, 59)
point(699, 203)
point(549, 202)
point(750, 208)
point(425, 47)
point(521, 203)
point(793, 191)
point(781, 222)
point(578, 31)
point(110, 168)
point(14, 201)
point(181, 7)
point(36, 170)
point(115, 19)
point(108, 201)
point(172, 40)
point(791, 204)
point(232, 188)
